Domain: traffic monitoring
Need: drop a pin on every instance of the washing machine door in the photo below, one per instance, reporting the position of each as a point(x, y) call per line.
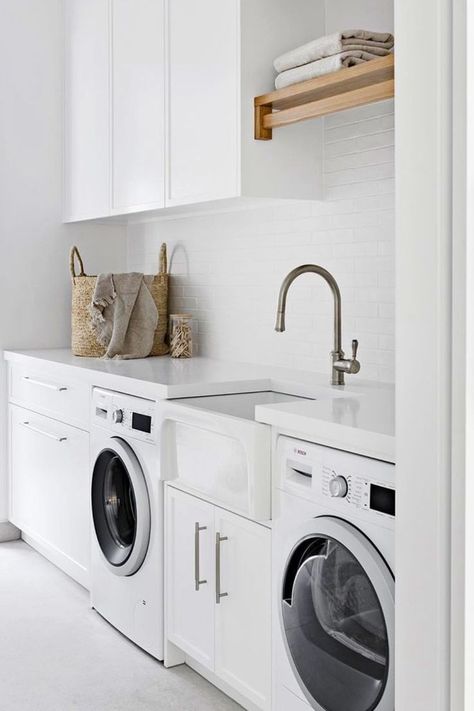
point(120, 507)
point(337, 617)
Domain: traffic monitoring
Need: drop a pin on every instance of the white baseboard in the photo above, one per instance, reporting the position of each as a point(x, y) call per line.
point(221, 685)
point(60, 559)
point(8, 532)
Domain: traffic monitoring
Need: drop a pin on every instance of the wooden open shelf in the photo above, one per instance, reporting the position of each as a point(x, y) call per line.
point(345, 89)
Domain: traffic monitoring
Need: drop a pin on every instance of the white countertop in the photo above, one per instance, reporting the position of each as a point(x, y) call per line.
point(156, 378)
point(361, 420)
point(358, 417)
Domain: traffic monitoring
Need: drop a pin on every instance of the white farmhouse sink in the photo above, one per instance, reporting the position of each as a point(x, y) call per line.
point(241, 404)
point(212, 446)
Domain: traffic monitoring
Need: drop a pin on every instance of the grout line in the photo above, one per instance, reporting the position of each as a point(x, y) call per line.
point(360, 121)
point(359, 182)
point(359, 137)
point(363, 150)
point(368, 165)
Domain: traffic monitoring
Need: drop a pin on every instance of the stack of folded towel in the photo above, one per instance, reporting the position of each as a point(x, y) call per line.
point(329, 54)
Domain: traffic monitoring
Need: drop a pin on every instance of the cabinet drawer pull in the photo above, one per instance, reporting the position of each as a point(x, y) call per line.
point(197, 575)
point(219, 594)
point(57, 438)
point(50, 386)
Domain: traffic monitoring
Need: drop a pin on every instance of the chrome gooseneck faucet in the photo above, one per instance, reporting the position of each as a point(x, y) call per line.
point(340, 365)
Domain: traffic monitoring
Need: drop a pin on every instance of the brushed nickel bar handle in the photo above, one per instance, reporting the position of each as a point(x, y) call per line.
point(197, 575)
point(50, 386)
point(219, 594)
point(44, 433)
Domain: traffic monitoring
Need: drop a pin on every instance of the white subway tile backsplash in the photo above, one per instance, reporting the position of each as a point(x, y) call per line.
point(360, 144)
point(381, 171)
point(227, 268)
point(377, 156)
point(363, 113)
point(370, 188)
point(360, 128)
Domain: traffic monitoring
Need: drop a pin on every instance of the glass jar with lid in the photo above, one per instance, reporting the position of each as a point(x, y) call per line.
point(181, 335)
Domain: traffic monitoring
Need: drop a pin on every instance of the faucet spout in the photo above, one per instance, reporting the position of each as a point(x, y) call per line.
point(280, 324)
point(328, 277)
point(339, 364)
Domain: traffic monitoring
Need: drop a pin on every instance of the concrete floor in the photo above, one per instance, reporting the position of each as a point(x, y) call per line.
point(56, 654)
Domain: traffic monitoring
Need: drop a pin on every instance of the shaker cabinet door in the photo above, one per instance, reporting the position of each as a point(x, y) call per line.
point(203, 100)
point(87, 109)
point(49, 470)
point(190, 575)
point(114, 107)
point(138, 98)
point(243, 623)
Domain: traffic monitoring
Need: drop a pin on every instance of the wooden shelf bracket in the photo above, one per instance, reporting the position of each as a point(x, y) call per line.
point(355, 86)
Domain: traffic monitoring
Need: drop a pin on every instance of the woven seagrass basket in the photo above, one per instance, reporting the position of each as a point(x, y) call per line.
point(84, 342)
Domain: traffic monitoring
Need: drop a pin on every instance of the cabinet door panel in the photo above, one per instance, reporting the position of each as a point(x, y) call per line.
point(87, 109)
point(49, 467)
point(203, 100)
point(138, 104)
point(243, 616)
point(190, 611)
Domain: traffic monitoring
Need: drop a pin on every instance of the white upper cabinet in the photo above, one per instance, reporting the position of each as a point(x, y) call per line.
point(159, 104)
point(87, 110)
point(203, 101)
point(138, 173)
point(114, 113)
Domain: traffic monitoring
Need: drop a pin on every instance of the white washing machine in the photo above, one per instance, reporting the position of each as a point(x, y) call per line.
point(333, 580)
point(127, 518)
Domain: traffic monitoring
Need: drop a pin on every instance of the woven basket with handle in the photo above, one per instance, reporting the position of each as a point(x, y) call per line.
point(84, 342)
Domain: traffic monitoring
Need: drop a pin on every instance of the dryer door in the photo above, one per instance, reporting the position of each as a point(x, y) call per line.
point(120, 507)
point(337, 616)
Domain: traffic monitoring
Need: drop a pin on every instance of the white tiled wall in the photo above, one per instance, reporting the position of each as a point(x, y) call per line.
point(227, 268)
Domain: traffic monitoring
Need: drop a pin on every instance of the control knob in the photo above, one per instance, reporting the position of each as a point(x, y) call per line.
point(338, 487)
point(117, 416)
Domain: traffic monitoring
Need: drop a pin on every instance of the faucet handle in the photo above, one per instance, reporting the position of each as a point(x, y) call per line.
point(355, 346)
point(346, 365)
point(354, 365)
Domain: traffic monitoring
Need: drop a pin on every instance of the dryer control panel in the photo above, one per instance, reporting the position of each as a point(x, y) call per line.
point(359, 491)
point(124, 414)
point(335, 478)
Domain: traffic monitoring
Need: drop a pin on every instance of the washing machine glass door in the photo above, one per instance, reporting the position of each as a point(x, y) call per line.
point(120, 507)
point(337, 615)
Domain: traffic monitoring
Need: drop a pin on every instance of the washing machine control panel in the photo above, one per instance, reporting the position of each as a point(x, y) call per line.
point(335, 478)
point(124, 414)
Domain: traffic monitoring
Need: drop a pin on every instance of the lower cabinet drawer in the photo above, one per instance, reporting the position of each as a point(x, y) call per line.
point(48, 392)
point(49, 488)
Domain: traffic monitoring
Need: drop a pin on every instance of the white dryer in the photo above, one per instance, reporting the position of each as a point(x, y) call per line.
point(333, 580)
point(127, 518)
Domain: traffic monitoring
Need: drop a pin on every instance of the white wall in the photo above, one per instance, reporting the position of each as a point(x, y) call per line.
point(34, 245)
point(424, 142)
point(227, 268)
point(374, 15)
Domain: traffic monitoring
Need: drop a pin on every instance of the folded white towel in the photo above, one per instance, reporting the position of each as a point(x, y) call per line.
point(379, 43)
point(321, 67)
